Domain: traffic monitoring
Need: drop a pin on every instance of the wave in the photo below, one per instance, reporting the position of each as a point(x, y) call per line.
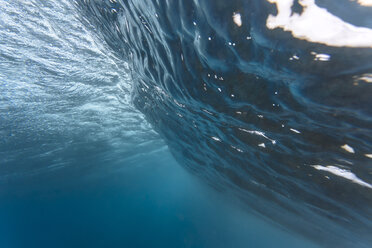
point(266, 100)
point(64, 96)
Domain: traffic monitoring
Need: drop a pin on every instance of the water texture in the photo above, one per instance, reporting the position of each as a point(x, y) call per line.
point(79, 165)
point(62, 92)
point(266, 101)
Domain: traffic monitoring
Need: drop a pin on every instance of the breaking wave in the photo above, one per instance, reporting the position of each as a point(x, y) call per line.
point(266, 100)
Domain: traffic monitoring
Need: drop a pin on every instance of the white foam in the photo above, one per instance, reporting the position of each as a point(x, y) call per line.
point(343, 173)
point(259, 133)
point(348, 148)
point(368, 155)
point(317, 25)
point(366, 78)
point(294, 130)
point(367, 3)
point(237, 18)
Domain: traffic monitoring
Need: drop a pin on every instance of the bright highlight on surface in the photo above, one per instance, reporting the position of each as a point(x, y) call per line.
point(367, 3)
point(317, 25)
point(348, 148)
point(343, 173)
point(237, 18)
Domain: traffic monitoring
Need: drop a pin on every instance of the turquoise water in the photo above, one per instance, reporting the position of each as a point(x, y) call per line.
point(185, 124)
point(153, 202)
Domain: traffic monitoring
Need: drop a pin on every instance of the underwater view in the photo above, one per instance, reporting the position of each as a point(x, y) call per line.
point(186, 123)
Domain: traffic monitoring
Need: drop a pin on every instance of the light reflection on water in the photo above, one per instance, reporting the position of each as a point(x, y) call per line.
point(262, 128)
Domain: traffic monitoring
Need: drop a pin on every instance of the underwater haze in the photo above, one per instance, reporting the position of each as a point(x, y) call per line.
point(204, 123)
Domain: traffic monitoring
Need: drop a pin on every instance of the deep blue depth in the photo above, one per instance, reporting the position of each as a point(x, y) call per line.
point(152, 203)
point(199, 123)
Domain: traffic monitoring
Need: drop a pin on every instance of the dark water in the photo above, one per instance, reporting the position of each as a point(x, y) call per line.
point(150, 203)
point(266, 102)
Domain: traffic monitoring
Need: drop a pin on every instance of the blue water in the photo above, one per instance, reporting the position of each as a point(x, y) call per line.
point(185, 123)
point(151, 203)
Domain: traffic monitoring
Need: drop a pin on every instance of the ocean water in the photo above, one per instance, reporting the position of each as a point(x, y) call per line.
point(185, 123)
